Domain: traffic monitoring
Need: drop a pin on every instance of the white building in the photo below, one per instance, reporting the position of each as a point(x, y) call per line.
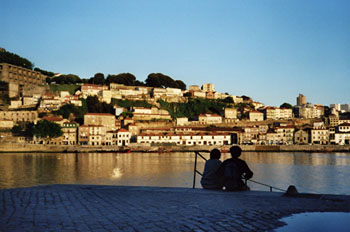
point(256, 116)
point(278, 113)
point(310, 112)
point(189, 139)
point(319, 136)
point(123, 137)
point(181, 121)
point(230, 113)
point(208, 87)
point(209, 119)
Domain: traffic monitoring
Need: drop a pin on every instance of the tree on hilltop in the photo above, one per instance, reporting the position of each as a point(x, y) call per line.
point(163, 81)
point(11, 58)
point(286, 106)
point(127, 79)
point(98, 79)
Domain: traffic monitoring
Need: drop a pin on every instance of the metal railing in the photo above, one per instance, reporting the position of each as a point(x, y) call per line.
point(195, 171)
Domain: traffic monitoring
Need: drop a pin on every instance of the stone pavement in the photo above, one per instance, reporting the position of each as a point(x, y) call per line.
point(126, 208)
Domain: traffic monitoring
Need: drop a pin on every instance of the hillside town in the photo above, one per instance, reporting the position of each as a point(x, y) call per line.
point(241, 120)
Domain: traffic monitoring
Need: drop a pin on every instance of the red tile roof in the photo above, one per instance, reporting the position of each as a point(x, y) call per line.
point(52, 119)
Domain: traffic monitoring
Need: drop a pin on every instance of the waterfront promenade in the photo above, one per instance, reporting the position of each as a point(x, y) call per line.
point(126, 208)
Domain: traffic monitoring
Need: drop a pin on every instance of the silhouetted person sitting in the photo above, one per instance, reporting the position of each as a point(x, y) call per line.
point(234, 170)
point(210, 180)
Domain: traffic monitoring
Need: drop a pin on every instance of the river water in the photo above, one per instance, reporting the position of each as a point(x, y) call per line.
point(309, 172)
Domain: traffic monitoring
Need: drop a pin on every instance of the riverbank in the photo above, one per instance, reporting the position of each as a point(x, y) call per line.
point(126, 208)
point(22, 147)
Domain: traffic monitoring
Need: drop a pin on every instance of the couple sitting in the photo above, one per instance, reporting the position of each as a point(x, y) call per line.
point(228, 174)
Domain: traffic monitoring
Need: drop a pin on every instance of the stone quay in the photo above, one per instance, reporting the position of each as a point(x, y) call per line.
point(128, 208)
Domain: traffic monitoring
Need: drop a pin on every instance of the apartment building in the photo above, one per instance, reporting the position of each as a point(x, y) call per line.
point(256, 116)
point(6, 124)
point(98, 119)
point(19, 77)
point(308, 111)
point(333, 120)
point(92, 90)
point(208, 87)
point(286, 134)
point(230, 113)
point(275, 113)
point(320, 136)
point(19, 116)
point(209, 119)
point(141, 113)
point(50, 102)
point(188, 139)
point(342, 134)
point(70, 133)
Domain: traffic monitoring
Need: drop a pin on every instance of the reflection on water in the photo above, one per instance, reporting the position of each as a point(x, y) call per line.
point(309, 172)
point(320, 222)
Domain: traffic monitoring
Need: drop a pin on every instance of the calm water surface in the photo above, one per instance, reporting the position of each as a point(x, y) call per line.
point(309, 172)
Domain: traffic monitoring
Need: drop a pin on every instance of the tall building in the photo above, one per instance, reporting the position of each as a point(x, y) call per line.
point(19, 77)
point(208, 87)
point(301, 100)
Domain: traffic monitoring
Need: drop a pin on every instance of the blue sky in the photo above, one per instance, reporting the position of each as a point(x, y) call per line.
point(270, 50)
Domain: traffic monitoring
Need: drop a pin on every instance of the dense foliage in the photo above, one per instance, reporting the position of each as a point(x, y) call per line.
point(17, 129)
point(95, 106)
point(44, 72)
point(128, 103)
point(193, 108)
point(163, 81)
point(64, 79)
point(11, 58)
point(71, 88)
point(98, 79)
point(72, 112)
point(44, 129)
point(286, 106)
point(127, 79)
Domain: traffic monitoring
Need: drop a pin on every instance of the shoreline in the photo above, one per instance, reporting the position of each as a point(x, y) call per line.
point(133, 148)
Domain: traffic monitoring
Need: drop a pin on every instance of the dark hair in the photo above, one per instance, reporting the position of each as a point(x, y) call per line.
point(235, 151)
point(215, 154)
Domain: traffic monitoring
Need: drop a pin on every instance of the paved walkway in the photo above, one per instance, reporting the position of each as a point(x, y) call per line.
point(119, 208)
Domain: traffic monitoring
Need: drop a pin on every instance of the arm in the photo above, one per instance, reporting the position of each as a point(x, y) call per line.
point(247, 173)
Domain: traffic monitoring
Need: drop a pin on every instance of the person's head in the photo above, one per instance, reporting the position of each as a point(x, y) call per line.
point(215, 154)
point(235, 151)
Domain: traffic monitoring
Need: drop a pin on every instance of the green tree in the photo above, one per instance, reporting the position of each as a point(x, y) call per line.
point(127, 79)
point(193, 108)
point(128, 103)
point(11, 58)
point(95, 106)
point(286, 105)
point(66, 79)
point(98, 79)
point(163, 81)
point(44, 72)
point(44, 129)
point(68, 109)
point(228, 100)
point(16, 129)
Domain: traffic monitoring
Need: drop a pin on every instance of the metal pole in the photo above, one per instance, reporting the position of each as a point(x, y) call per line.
point(194, 171)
